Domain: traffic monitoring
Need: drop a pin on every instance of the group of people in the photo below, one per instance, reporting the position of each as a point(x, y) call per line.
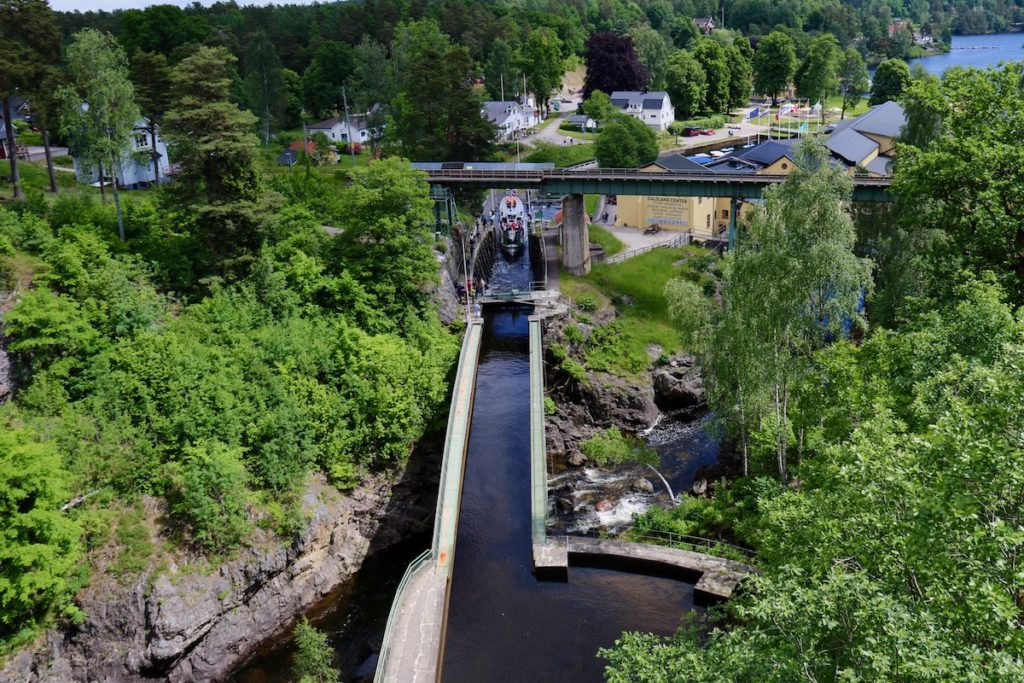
point(471, 287)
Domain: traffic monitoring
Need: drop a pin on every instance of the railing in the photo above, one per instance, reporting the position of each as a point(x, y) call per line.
point(415, 566)
point(538, 445)
point(678, 241)
point(658, 537)
point(539, 176)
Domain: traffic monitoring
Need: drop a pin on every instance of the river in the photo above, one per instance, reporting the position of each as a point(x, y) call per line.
point(504, 626)
point(976, 51)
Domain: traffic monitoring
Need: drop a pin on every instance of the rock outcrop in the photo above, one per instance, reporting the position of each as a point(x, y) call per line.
point(180, 622)
point(678, 385)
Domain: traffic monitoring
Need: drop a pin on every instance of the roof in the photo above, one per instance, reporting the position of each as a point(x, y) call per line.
point(767, 153)
point(297, 146)
point(325, 125)
point(498, 111)
point(654, 99)
point(579, 119)
point(731, 164)
point(677, 163)
point(851, 145)
point(879, 166)
point(850, 140)
point(703, 20)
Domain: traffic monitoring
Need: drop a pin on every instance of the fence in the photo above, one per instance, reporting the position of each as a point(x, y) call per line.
point(677, 241)
point(658, 537)
point(414, 567)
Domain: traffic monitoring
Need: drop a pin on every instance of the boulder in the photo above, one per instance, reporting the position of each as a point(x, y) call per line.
point(700, 487)
point(604, 505)
point(564, 504)
point(576, 459)
point(641, 485)
point(678, 387)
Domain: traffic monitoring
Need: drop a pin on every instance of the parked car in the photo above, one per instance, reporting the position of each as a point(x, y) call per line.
point(654, 229)
point(611, 199)
point(708, 131)
point(691, 132)
point(734, 126)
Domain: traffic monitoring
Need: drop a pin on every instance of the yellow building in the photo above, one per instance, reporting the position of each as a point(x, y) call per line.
point(705, 217)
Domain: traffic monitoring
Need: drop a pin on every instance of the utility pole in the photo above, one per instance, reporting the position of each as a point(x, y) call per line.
point(348, 127)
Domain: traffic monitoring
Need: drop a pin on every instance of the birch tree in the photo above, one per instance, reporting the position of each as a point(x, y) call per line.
point(98, 106)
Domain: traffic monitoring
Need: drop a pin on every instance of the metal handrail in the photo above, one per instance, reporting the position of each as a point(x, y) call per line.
point(669, 537)
point(680, 240)
point(539, 176)
point(385, 650)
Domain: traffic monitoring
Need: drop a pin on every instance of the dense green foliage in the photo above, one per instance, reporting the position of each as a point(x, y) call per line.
point(325, 354)
point(895, 552)
point(625, 142)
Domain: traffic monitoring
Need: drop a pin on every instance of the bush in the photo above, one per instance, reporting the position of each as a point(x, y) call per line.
point(313, 655)
point(714, 121)
point(573, 335)
point(587, 302)
point(611, 447)
point(211, 496)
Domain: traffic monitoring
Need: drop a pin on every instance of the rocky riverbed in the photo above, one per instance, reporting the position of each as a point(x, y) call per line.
point(665, 406)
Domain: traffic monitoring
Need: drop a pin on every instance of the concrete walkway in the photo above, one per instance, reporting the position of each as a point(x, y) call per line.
point(415, 642)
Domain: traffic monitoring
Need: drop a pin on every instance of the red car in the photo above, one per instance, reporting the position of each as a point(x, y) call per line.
point(691, 132)
point(708, 131)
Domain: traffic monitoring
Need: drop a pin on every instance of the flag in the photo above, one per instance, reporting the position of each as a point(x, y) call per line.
point(802, 128)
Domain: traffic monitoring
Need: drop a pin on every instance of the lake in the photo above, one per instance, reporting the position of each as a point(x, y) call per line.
point(977, 51)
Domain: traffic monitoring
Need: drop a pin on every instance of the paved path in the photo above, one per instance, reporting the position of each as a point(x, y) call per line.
point(416, 634)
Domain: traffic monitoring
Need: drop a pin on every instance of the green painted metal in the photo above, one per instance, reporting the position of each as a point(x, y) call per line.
point(635, 182)
point(538, 447)
point(456, 441)
point(733, 208)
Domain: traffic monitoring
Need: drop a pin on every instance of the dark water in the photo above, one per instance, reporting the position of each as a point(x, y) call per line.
point(503, 624)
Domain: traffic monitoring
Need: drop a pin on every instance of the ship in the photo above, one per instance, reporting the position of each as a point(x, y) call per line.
point(512, 223)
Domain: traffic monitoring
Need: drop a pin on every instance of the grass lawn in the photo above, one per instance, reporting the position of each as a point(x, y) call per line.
point(34, 177)
point(836, 102)
point(635, 288)
point(577, 134)
point(590, 203)
point(609, 242)
point(561, 155)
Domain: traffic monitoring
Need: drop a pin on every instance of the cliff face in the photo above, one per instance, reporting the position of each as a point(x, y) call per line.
point(180, 622)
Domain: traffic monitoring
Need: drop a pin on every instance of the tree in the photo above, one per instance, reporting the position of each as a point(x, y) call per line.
point(817, 77)
point(793, 284)
point(683, 31)
point(540, 58)
point(313, 655)
point(612, 65)
point(599, 107)
point(652, 51)
point(98, 105)
point(712, 60)
point(386, 239)
point(740, 74)
point(501, 75)
point(959, 180)
point(611, 447)
point(625, 142)
point(40, 545)
point(291, 113)
point(264, 81)
point(332, 66)
point(152, 79)
point(892, 77)
point(218, 188)
point(437, 115)
point(774, 64)
point(211, 496)
point(373, 78)
point(686, 83)
point(31, 43)
point(853, 79)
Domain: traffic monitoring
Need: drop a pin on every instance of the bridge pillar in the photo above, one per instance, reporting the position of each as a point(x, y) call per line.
point(575, 235)
point(733, 208)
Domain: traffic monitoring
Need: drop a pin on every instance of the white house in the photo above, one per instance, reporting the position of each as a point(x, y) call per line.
point(136, 166)
point(654, 108)
point(358, 129)
point(511, 118)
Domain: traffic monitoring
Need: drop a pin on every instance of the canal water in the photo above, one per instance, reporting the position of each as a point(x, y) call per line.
point(503, 624)
point(976, 51)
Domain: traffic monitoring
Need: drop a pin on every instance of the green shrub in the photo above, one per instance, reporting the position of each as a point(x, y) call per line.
point(211, 496)
point(573, 334)
point(550, 407)
point(611, 447)
point(587, 302)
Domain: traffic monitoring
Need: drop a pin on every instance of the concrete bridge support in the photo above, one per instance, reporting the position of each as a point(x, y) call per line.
point(575, 235)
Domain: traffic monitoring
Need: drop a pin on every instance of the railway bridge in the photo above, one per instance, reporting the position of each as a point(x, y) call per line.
point(572, 184)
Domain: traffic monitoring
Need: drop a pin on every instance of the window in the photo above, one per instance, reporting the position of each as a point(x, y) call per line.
point(784, 165)
point(141, 140)
point(725, 213)
point(708, 222)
